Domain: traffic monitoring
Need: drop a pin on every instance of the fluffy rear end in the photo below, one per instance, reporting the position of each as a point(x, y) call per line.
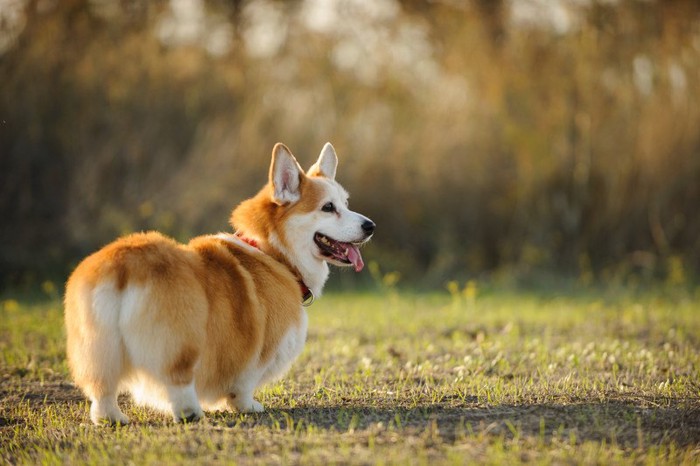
point(95, 349)
point(136, 315)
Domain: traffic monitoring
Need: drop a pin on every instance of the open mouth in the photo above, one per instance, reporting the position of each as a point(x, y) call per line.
point(345, 253)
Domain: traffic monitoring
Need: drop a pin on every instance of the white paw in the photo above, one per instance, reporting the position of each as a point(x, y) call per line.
point(189, 415)
point(256, 407)
point(109, 415)
point(184, 404)
point(251, 407)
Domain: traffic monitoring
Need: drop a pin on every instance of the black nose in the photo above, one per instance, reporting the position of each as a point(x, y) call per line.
point(368, 227)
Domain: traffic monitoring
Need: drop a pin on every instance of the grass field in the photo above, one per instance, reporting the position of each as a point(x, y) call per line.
point(397, 378)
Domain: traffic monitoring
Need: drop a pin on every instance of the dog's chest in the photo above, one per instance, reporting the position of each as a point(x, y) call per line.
point(288, 349)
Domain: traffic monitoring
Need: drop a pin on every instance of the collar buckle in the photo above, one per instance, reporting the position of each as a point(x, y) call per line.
point(307, 296)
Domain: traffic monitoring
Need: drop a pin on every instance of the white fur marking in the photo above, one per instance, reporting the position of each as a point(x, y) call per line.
point(105, 305)
point(289, 349)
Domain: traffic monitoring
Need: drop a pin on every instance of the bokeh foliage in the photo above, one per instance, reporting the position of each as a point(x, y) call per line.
point(482, 136)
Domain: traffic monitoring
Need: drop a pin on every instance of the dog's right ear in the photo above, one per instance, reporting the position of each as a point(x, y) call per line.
point(326, 164)
point(285, 174)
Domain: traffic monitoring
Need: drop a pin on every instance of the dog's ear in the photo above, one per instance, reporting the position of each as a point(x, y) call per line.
point(285, 175)
point(326, 164)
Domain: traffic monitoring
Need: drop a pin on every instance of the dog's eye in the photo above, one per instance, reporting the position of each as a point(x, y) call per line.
point(328, 207)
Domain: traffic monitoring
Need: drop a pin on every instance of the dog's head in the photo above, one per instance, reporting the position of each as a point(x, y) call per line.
point(305, 215)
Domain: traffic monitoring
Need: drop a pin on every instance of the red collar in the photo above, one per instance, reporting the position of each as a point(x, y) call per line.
point(307, 296)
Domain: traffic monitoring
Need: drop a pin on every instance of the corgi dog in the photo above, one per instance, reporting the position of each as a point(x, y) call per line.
point(199, 326)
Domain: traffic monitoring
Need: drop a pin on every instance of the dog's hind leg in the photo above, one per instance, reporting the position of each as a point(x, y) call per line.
point(184, 404)
point(163, 332)
point(95, 350)
point(181, 388)
point(240, 396)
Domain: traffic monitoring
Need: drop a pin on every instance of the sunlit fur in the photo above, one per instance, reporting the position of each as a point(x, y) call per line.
point(186, 327)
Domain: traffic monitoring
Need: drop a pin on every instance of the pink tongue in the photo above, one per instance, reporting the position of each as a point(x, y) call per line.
point(355, 257)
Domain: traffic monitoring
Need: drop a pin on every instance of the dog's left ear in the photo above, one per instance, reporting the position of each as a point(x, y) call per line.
point(285, 175)
point(326, 164)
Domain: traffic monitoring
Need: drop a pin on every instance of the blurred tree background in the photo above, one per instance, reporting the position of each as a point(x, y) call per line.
point(485, 137)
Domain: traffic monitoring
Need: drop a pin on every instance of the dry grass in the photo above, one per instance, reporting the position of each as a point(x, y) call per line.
point(403, 378)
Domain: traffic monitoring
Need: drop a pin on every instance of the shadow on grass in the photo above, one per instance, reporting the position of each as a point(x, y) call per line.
point(626, 423)
point(629, 422)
